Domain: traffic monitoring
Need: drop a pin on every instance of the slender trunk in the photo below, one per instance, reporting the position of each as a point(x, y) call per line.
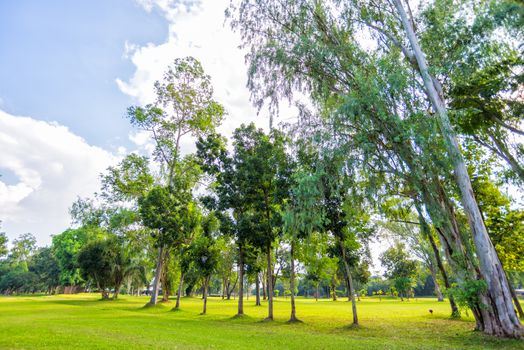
point(269, 285)
point(455, 312)
point(164, 277)
point(293, 317)
point(257, 290)
point(440, 297)
point(350, 283)
point(156, 281)
point(206, 285)
point(241, 280)
point(264, 287)
point(504, 153)
point(179, 292)
point(516, 301)
point(317, 291)
point(499, 316)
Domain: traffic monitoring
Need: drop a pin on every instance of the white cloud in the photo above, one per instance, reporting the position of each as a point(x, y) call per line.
point(196, 28)
point(52, 166)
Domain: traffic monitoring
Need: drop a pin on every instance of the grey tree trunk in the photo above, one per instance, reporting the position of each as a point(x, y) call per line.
point(179, 292)
point(241, 280)
point(206, 286)
point(293, 317)
point(350, 284)
point(269, 285)
point(438, 292)
point(499, 317)
point(156, 281)
point(257, 290)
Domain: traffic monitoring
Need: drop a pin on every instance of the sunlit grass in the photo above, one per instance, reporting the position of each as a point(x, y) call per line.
point(82, 321)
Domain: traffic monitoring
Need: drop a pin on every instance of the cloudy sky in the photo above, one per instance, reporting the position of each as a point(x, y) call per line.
point(69, 70)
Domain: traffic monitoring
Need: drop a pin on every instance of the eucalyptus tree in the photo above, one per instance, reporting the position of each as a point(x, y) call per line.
point(184, 107)
point(376, 101)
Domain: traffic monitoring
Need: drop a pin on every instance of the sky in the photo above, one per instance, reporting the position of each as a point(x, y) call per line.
point(68, 72)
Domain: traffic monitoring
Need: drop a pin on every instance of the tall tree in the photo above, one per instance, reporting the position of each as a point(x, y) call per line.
point(184, 107)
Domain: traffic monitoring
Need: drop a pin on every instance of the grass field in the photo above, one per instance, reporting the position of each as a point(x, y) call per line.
point(84, 322)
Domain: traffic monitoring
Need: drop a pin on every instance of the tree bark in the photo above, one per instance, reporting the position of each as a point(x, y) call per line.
point(293, 317)
point(206, 286)
point(438, 292)
point(350, 283)
point(257, 290)
point(179, 292)
point(156, 281)
point(241, 280)
point(264, 287)
point(269, 285)
point(499, 317)
point(455, 312)
point(516, 301)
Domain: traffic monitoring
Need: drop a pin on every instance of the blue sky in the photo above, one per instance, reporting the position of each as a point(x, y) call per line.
point(60, 58)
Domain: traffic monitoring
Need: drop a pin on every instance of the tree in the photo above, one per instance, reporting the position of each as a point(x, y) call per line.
point(45, 265)
point(204, 253)
point(3, 244)
point(95, 262)
point(184, 106)
point(66, 247)
point(399, 268)
point(23, 248)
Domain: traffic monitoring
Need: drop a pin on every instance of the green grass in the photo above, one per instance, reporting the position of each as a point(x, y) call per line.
point(81, 321)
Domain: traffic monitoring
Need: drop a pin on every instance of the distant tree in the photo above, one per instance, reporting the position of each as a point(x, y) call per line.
point(96, 263)
point(45, 266)
point(65, 247)
point(399, 268)
point(22, 248)
point(3, 244)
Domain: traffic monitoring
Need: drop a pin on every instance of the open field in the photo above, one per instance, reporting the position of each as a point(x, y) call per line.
point(82, 321)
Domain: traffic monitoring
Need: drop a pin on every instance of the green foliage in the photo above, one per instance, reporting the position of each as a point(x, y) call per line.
point(66, 247)
point(467, 295)
point(399, 268)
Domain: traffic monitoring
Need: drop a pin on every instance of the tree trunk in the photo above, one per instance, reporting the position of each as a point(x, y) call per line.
point(440, 297)
point(317, 292)
point(206, 286)
point(455, 312)
point(499, 316)
point(350, 284)
point(516, 301)
point(257, 290)
point(241, 280)
point(269, 285)
point(293, 317)
point(156, 281)
point(264, 287)
point(179, 292)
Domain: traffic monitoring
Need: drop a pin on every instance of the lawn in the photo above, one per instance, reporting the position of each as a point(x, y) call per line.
point(82, 321)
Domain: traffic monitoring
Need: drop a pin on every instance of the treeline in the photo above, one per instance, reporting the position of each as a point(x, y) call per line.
point(409, 134)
